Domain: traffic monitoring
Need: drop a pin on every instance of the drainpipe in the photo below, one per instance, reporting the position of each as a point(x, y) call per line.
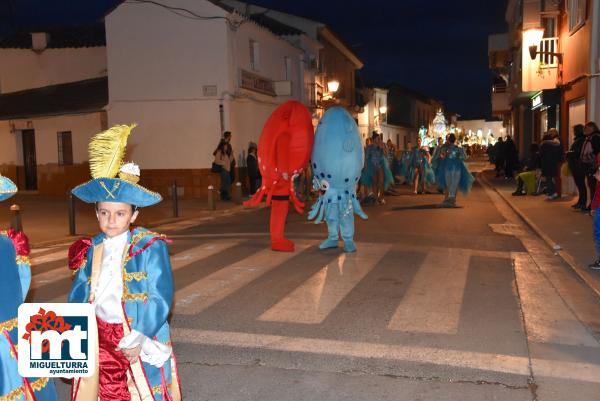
point(222, 116)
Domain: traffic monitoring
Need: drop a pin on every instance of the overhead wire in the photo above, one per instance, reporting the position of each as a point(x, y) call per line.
point(189, 14)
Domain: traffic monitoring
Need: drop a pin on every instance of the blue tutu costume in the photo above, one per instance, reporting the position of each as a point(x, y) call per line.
point(374, 159)
point(419, 160)
point(454, 174)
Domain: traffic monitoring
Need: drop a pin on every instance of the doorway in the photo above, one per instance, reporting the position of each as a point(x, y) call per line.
point(576, 116)
point(29, 159)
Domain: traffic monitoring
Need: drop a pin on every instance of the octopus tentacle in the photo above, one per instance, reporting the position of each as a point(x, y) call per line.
point(358, 209)
point(322, 211)
point(315, 208)
point(256, 198)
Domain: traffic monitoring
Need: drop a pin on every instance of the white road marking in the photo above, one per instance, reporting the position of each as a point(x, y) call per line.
point(433, 301)
point(312, 301)
point(501, 363)
point(547, 317)
point(217, 286)
point(181, 259)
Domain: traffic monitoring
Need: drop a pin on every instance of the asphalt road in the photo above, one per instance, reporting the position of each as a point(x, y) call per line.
point(437, 304)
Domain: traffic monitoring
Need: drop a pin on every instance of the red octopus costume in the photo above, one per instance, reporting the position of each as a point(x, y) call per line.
point(284, 149)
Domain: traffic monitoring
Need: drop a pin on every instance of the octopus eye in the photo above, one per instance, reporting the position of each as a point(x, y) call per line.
point(324, 185)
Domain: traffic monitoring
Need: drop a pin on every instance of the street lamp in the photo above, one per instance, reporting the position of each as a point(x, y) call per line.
point(532, 38)
point(333, 86)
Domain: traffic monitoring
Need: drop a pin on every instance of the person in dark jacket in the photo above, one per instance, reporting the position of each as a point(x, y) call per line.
point(499, 156)
point(589, 151)
point(252, 166)
point(574, 162)
point(550, 157)
point(511, 157)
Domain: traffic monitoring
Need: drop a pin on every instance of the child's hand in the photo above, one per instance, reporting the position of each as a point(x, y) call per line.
point(132, 354)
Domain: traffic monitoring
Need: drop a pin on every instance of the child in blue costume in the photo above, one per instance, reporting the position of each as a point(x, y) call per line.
point(420, 172)
point(454, 174)
point(126, 274)
point(14, 285)
point(336, 161)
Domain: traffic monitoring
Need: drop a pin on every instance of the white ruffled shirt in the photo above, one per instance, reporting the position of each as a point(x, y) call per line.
point(108, 297)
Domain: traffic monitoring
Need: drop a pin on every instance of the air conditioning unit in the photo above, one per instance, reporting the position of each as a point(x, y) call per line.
point(283, 88)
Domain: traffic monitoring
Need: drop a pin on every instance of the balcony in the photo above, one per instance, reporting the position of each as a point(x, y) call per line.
point(313, 93)
point(541, 72)
point(547, 46)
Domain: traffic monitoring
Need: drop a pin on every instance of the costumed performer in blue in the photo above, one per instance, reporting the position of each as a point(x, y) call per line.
point(436, 161)
point(14, 285)
point(126, 274)
point(420, 171)
point(455, 174)
point(337, 160)
point(377, 174)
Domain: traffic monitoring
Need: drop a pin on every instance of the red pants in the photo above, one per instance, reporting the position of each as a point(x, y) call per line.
point(113, 364)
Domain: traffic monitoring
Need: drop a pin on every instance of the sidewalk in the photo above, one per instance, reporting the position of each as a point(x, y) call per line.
point(567, 231)
point(46, 219)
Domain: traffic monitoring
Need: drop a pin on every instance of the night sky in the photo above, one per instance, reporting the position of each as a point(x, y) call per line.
point(437, 47)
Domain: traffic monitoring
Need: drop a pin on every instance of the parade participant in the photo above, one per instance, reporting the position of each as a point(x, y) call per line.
point(126, 274)
point(455, 175)
point(16, 278)
point(436, 161)
point(377, 174)
point(337, 160)
point(420, 172)
point(283, 152)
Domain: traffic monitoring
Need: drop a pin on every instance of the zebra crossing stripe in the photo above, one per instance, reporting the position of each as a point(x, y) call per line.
point(547, 317)
point(313, 300)
point(433, 301)
point(179, 260)
point(501, 363)
point(50, 257)
point(217, 286)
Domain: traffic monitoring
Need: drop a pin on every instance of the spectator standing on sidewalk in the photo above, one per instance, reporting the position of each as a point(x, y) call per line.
point(550, 156)
point(595, 207)
point(575, 165)
point(499, 156)
point(223, 157)
point(510, 157)
point(553, 132)
point(589, 153)
point(252, 166)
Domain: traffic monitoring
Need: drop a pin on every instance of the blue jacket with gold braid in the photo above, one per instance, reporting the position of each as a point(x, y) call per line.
point(147, 300)
point(14, 285)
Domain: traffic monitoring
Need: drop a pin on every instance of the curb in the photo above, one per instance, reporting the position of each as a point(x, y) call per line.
point(579, 270)
point(216, 213)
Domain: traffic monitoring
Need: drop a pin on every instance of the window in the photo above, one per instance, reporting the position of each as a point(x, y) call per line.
point(254, 55)
point(65, 148)
point(576, 12)
point(288, 68)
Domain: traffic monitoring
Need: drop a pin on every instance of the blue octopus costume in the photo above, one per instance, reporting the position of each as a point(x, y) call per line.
point(16, 278)
point(337, 160)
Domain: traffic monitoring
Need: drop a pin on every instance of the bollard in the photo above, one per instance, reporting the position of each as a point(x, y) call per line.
point(15, 221)
point(72, 230)
point(175, 199)
point(237, 193)
point(212, 201)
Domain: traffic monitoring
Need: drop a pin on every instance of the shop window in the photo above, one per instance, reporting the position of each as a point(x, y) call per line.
point(576, 13)
point(65, 148)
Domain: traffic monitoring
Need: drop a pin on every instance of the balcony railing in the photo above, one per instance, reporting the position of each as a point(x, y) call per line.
point(548, 46)
point(314, 94)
